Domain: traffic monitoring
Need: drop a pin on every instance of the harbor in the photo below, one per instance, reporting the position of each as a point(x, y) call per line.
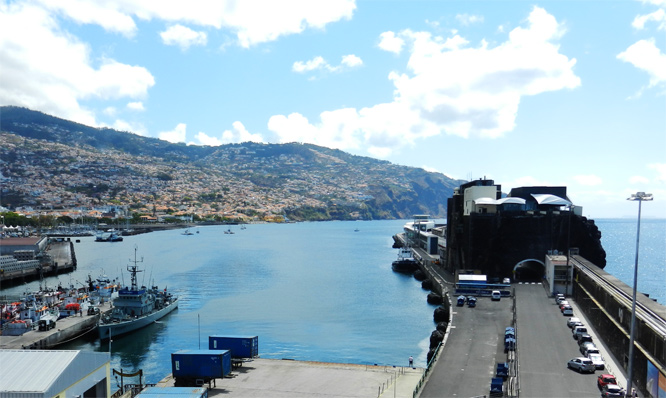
point(182, 329)
point(67, 330)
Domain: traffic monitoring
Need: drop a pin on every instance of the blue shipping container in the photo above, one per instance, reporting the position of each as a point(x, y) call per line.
point(240, 346)
point(174, 392)
point(201, 363)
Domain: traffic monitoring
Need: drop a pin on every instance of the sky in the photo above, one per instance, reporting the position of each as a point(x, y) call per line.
point(557, 93)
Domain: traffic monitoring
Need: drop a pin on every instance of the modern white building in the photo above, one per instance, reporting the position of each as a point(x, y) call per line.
point(559, 274)
point(54, 374)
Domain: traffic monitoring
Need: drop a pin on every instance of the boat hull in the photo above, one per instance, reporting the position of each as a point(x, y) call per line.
point(404, 266)
point(115, 329)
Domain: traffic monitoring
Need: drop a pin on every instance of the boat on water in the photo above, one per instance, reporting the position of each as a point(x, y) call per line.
point(108, 237)
point(136, 307)
point(188, 232)
point(405, 263)
point(229, 232)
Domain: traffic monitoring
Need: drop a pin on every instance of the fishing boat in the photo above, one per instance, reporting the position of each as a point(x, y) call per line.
point(405, 263)
point(136, 307)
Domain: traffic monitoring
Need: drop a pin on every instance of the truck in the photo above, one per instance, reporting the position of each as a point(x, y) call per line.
point(496, 387)
point(193, 368)
point(241, 347)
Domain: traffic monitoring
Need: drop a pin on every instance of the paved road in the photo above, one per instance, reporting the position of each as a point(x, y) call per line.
point(470, 356)
point(545, 345)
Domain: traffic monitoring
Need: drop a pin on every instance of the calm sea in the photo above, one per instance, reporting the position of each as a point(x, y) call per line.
point(310, 291)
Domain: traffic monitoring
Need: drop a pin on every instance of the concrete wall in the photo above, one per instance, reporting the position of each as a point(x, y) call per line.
point(612, 320)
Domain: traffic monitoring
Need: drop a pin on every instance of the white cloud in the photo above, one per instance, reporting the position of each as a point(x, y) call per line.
point(660, 169)
point(240, 134)
point(183, 37)
point(313, 64)
point(638, 180)
point(588, 180)
point(645, 55)
point(47, 69)
point(466, 19)
point(237, 134)
point(110, 15)
point(252, 21)
point(658, 16)
point(319, 63)
point(205, 139)
point(448, 87)
point(136, 106)
point(351, 61)
point(176, 135)
point(388, 41)
point(135, 128)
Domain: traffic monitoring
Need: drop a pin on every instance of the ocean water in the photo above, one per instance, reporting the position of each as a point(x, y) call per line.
point(310, 291)
point(618, 237)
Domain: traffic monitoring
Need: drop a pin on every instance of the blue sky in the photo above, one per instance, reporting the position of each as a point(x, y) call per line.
point(527, 93)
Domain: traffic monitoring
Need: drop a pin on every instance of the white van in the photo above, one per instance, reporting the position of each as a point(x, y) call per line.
point(495, 295)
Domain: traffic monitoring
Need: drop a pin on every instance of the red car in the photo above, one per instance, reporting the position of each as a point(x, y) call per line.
point(605, 379)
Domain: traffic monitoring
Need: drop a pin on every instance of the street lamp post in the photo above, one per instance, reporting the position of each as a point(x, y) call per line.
point(640, 197)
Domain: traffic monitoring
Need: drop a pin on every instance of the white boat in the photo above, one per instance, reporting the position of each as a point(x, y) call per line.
point(187, 232)
point(135, 307)
point(405, 262)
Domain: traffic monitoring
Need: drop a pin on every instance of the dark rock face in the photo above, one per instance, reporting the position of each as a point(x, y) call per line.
point(434, 298)
point(436, 337)
point(441, 314)
point(420, 275)
point(496, 244)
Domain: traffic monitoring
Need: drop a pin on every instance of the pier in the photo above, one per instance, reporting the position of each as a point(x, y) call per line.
point(67, 329)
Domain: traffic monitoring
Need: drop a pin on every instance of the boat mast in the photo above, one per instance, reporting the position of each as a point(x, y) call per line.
point(133, 269)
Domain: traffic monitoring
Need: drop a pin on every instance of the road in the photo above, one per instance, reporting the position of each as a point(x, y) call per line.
point(545, 345)
point(472, 351)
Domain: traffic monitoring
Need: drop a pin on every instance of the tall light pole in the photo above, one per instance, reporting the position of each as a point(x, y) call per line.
point(640, 197)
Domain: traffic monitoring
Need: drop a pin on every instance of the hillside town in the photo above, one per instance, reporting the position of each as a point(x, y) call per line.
point(41, 178)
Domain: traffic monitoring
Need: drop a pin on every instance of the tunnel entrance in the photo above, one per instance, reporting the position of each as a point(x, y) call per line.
point(530, 270)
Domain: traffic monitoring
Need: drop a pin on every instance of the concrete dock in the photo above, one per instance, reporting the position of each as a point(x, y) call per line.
point(278, 378)
point(66, 330)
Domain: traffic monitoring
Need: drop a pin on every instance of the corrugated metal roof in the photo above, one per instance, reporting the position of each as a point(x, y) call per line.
point(46, 372)
point(32, 370)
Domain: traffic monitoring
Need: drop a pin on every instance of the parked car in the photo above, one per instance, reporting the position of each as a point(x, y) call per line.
point(612, 390)
point(605, 379)
point(583, 338)
point(581, 364)
point(576, 324)
point(461, 301)
point(577, 331)
point(563, 304)
point(506, 281)
point(597, 360)
point(495, 295)
point(588, 348)
point(471, 301)
point(573, 320)
point(567, 311)
point(559, 297)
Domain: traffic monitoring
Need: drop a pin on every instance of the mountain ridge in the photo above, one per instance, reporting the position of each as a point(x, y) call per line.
point(297, 180)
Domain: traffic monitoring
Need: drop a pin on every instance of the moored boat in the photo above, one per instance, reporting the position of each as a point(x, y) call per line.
point(136, 307)
point(405, 262)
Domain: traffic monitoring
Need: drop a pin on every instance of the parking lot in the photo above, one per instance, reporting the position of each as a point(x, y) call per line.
point(469, 358)
point(546, 344)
